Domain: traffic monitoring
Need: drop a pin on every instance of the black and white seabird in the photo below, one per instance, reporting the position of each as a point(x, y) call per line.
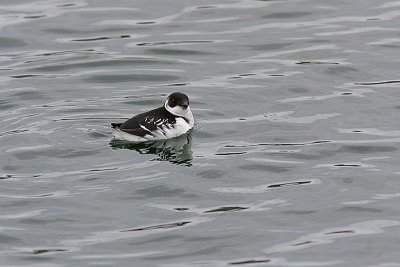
point(173, 119)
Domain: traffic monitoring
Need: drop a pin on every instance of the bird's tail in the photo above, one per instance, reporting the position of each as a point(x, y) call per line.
point(116, 125)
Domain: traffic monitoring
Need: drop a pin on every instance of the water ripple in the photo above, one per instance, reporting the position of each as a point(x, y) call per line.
point(110, 236)
point(328, 236)
point(264, 188)
point(275, 117)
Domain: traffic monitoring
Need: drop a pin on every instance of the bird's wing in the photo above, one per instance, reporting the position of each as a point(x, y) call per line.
point(153, 123)
point(137, 131)
point(147, 122)
point(143, 125)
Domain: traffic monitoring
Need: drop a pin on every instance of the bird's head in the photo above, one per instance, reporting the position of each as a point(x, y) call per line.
point(178, 104)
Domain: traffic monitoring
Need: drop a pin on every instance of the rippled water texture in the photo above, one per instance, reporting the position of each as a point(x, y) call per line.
point(294, 159)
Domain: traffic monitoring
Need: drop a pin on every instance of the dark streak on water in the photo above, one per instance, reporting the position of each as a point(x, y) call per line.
point(249, 262)
point(155, 227)
point(377, 83)
point(227, 209)
point(341, 232)
point(42, 251)
point(101, 38)
point(289, 184)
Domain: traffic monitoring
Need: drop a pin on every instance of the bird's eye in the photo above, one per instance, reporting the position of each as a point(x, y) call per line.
point(172, 102)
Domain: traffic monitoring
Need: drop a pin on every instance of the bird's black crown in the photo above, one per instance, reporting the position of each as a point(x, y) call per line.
point(178, 99)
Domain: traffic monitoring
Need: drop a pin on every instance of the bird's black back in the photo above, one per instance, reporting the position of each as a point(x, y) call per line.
point(150, 120)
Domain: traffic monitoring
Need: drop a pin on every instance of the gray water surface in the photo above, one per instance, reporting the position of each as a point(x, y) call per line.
point(294, 159)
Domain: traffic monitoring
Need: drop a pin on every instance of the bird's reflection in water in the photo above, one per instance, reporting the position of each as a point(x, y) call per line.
point(177, 150)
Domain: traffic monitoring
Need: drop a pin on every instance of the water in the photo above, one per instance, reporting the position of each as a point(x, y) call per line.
point(293, 160)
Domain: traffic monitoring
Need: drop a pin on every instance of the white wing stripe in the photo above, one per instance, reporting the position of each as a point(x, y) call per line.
point(144, 128)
